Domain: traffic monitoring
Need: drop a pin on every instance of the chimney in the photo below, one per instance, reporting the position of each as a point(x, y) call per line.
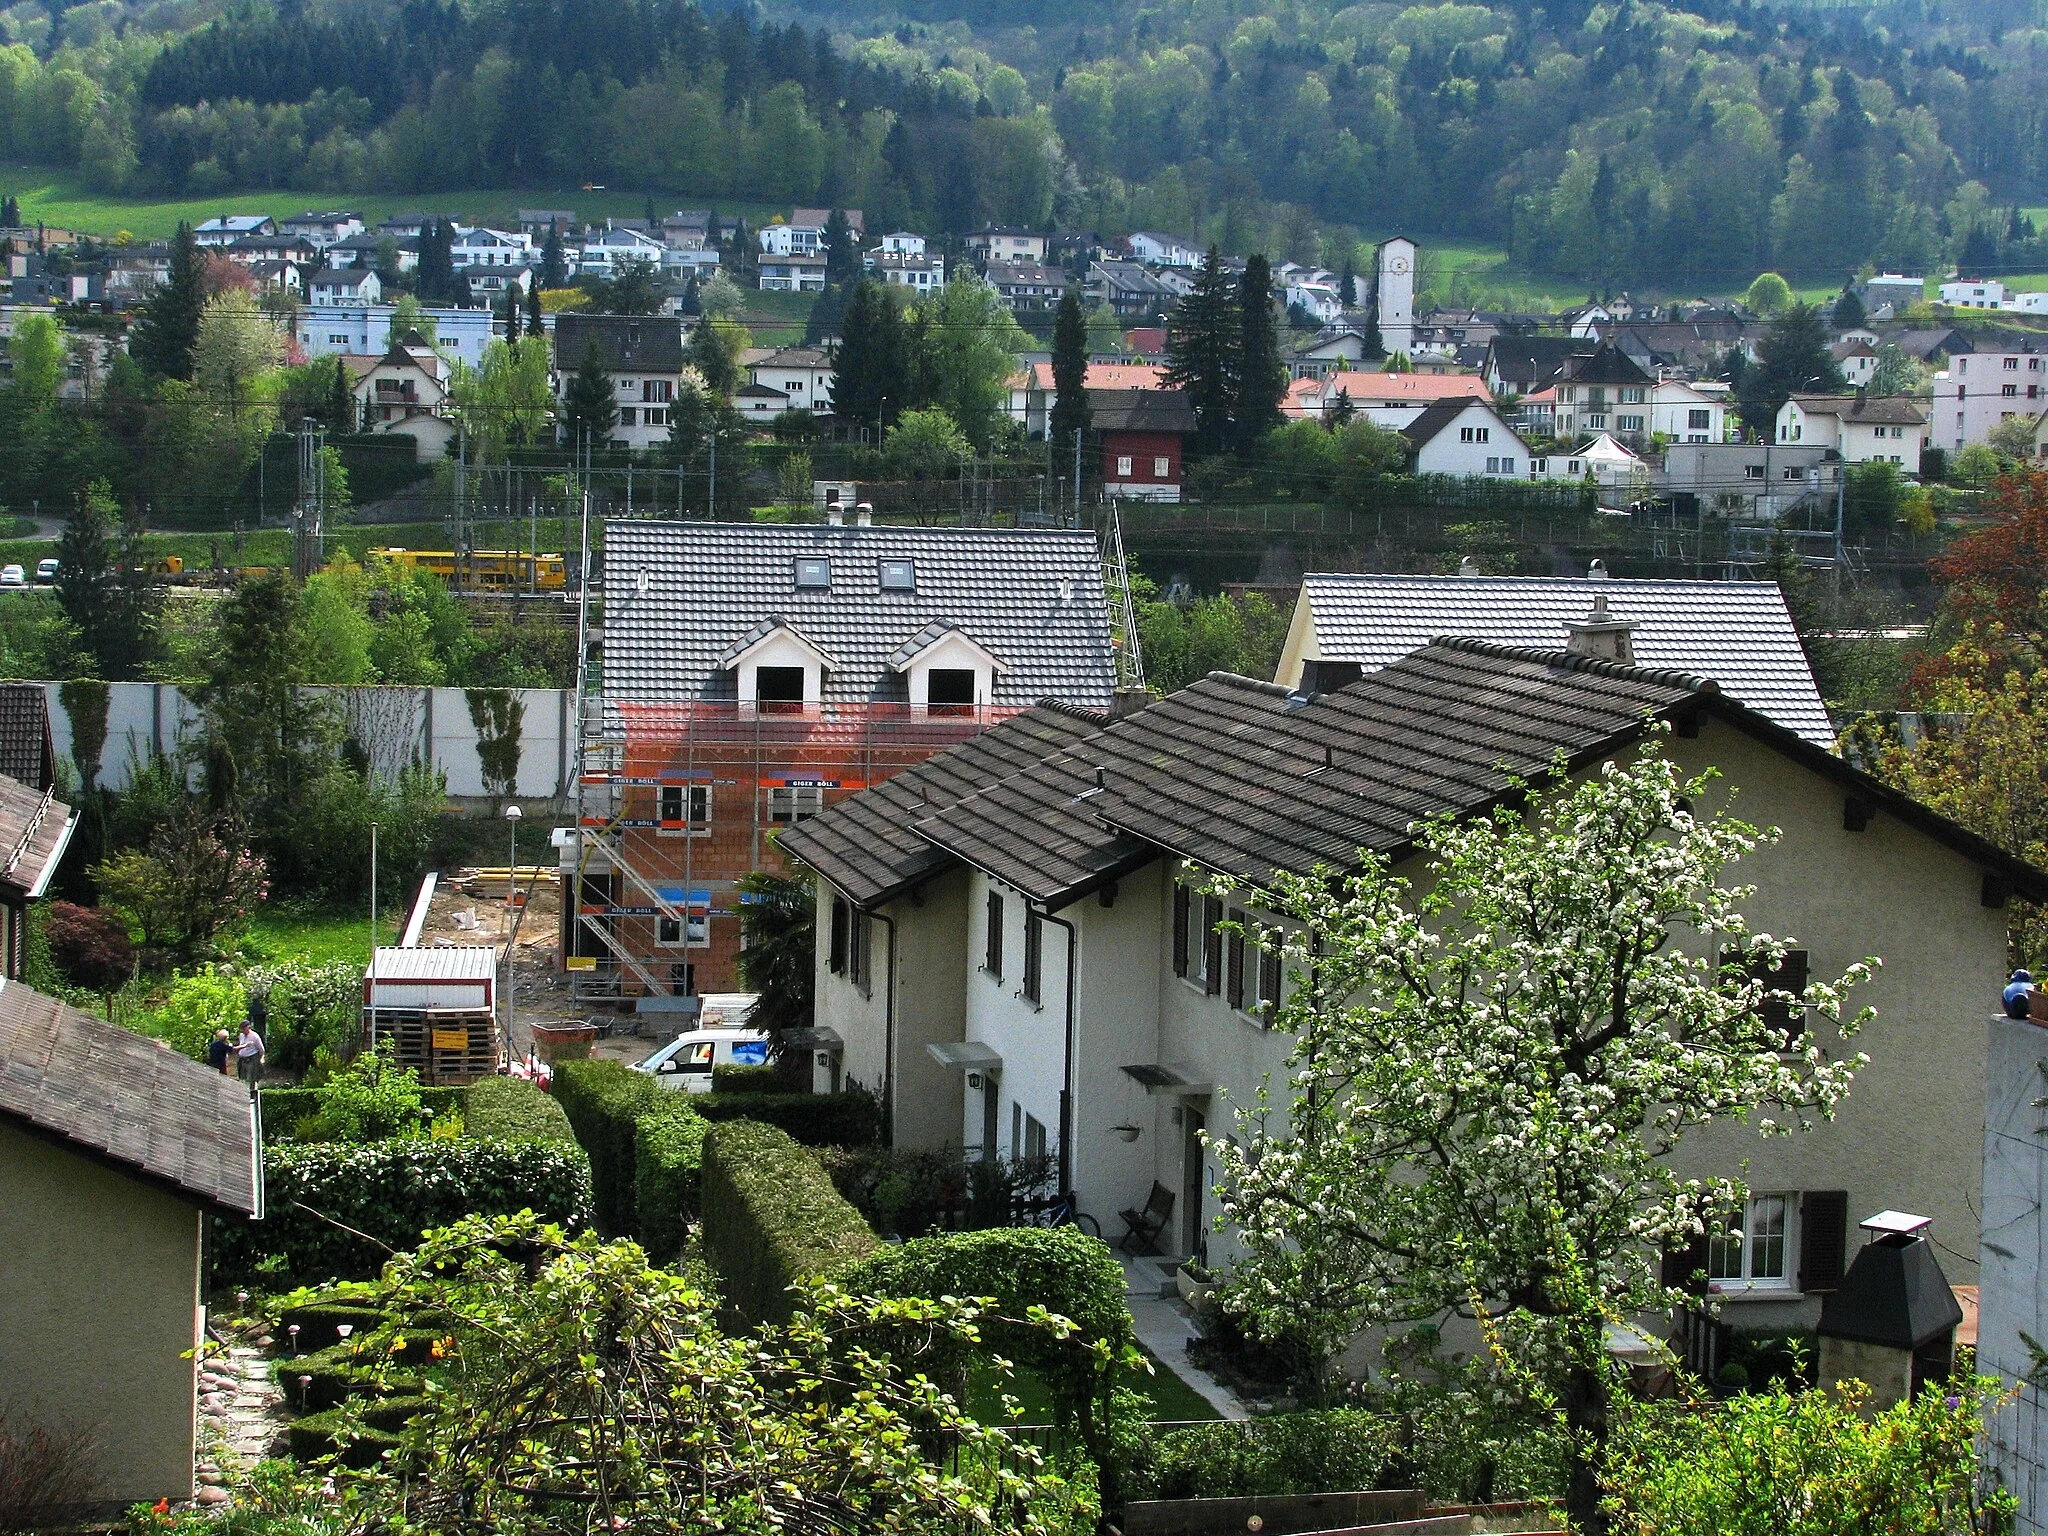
point(1601, 635)
point(864, 514)
point(1323, 675)
point(835, 515)
point(1890, 1321)
point(1125, 702)
point(1468, 567)
point(1597, 571)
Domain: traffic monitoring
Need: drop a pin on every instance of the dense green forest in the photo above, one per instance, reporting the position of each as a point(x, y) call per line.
point(1606, 142)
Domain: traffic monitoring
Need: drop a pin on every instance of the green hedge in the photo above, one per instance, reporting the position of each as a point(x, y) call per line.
point(602, 1100)
point(736, 1077)
point(512, 1109)
point(285, 1109)
point(1284, 1453)
point(313, 1437)
point(392, 1191)
point(318, 1323)
point(339, 1372)
point(815, 1119)
point(772, 1217)
point(668, 1161)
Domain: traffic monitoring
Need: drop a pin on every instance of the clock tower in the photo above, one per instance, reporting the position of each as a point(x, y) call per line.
point(1395, 290)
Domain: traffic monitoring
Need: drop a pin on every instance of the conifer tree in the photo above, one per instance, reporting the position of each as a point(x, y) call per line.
point(511, 312)
point(554, 264)
point(341, 400)
point(1201, 352)
point(169, 326)
point(1069, 373)
point(1262, 374)
point(534, 327)
point(842, 252)
point(590, 406)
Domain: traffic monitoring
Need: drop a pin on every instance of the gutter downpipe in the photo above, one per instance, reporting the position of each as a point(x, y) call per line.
point(1067, 1067)
point(889, 1037)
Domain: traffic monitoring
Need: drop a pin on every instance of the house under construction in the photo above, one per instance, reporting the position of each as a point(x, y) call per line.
point(754, 673)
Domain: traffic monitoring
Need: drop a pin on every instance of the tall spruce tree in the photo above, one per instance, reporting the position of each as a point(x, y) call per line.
point(534, 326)
point(554, 264)
point(872, 373)
point(510, 314)
point(1261, 372)
point(1792, 358)
point(590, 406)
point(842, 251)
point(1069, 373)
point(169, 325)
point(1201, 352)
point(341, 400)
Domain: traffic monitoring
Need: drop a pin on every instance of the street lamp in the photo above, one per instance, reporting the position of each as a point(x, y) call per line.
point(511, 898)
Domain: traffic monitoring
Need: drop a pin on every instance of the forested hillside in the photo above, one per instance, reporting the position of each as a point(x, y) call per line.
point(1606, 143)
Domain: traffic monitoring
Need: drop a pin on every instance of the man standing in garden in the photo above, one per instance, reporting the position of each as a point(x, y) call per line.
point(249, 1054)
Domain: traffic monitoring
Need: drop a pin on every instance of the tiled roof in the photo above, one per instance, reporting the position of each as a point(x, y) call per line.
point(1531, 361)
point(865, 846)
point(1892, 410)
point(1032, 597)
point(1439, 415)
point(1246, 779)
point(1736, 632)
point(1098, 376)
point(25, 751)
point(34, 833)
point(646, 343)
point(127, 1099)
point(1405, 388)
point(1141, 410)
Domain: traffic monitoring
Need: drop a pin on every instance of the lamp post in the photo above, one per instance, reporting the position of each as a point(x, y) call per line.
point(511, 899)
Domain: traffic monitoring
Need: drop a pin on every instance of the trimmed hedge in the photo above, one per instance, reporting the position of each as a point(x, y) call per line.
point(313, 1437)
point(772, 1217)
point(339, 1372)
point(318, 1322)
point(392, 1191)
point(736, 1077)
point(815, 1119)
point(285, 1109)
point(512, 1109)
point(668, 1162)
point(1281, 1454)
point(602, 1100)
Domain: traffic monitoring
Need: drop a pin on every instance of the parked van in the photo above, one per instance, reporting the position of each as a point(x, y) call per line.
point(685, 1063)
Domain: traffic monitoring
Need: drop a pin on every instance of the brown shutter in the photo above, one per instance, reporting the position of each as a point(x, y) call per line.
point(1823, 1238)
point(1180, 929)
point(1269, 975)
point(1212, 945)
point(1686, 1268)
point(840, 915)
point(992, 959)
point(1237, 962)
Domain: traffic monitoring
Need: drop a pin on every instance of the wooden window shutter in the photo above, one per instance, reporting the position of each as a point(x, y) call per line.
point(1823, 1239)
point(992, 959)
point(1236, 973)
point(1779, 1017)
point(1212, 945)
point(1180, 929)
point(841, 917)
point(1269, 974)
point(1686, 1268)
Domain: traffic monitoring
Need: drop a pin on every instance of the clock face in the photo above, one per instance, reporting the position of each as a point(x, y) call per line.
point(1398, 264)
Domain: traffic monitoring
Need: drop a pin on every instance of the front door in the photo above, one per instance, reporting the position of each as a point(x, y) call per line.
point(1194, 1185)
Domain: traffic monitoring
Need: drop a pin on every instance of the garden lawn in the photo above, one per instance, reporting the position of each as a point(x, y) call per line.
point(61, 198)
point(1173, 1400)
point(315, 935)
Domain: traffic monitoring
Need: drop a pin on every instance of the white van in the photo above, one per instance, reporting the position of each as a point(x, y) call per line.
point(685, 1063)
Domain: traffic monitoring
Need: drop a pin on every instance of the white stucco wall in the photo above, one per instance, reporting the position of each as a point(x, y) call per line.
point(2011, 1301)
point(1030, 1037)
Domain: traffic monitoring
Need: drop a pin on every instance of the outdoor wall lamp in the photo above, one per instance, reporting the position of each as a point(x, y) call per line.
point(1125, 1132)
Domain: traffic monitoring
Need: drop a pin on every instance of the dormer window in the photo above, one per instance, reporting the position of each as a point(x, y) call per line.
point(899, 576)
point(949, 687)
point(813, 574)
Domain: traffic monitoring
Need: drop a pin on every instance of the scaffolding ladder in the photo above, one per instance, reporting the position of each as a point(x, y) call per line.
point(1123, 618)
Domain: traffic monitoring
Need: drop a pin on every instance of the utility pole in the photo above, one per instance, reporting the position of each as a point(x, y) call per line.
point(712, 510)
point(1077, 477)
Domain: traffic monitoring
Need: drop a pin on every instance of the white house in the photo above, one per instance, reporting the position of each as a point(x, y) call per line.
point(1391, 400)
point(615, 247)
point(903, 243)
point(1886, 429)
point(794, 273)
point(642, 356)
point(803, 375)
point(1466, 437)
point(792, 239)
point(1319, 299)
point(227, 228)
point(1680, 413)
point(1007, 244)
point(323, 228)
point(1978, 390)
point(490, 248)
point(1987, 294)
point(1157, 250)
point(327, 329)
point(685, 262)
point(1857, 359)
point(904, 269)
point(344, 285)
point(404, 393)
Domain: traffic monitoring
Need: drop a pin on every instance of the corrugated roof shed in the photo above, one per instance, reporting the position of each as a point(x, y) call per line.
point(118, 1096)
point(1031, 597)
point(1737, 632)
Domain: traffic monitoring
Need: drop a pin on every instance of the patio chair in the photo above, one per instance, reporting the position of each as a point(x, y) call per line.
point(1143, 1227)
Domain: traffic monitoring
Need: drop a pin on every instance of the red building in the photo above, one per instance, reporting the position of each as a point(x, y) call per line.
point(1142, 432)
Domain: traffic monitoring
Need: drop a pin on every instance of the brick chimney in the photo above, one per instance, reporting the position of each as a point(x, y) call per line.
point(1601, 635)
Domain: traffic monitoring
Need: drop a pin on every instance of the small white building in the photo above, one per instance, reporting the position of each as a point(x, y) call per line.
point(795, 273)
point(802, 375)
point(902, 243)
point(490, 248)
point(1466, 438)
point(344, 285)
point(1863, 429)
point(1987, 294)
point(323, 228)
point(1679, 413)
point(1002, 242)
point(611, 250)
point(230, 227)
point(903, 269)
point(1321, 300)
point(1157, 250)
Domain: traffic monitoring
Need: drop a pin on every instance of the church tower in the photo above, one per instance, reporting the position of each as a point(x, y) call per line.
point(1394, 288)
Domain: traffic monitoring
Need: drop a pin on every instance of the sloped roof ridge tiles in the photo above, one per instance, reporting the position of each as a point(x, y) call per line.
point(1566, 661)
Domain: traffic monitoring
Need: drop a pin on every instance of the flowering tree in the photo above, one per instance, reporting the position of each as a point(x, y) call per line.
point(1490, 1068)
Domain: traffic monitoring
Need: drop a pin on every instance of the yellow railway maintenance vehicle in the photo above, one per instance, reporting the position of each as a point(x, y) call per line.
point(486, 570)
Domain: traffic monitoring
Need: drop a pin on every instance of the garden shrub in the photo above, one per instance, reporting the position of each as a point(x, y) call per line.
point(341, 1371)
point(319, 1322)
point(370, 1099)
point(852, 1119)
point(668, 1160)
point(392, 1191)
point(317, 1435)
point(1339, 1450)
point(740, 1077)
point(286, 1111)
point(602, 1100)
point(198, 1004)
point(512, 1109)
point(771, 1218)
point(311, 1008)
point(907, 1192)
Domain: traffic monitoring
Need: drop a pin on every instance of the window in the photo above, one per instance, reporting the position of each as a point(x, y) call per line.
point(2009, 390)
point(1596, 423)
point(1161, 468)
point(1698, 421)
point(992, 937)
point(693, 930)
point(794, 802)
point(1493, 466)
point(1795, 474)
point(1475, 434)
point(653, 418)
point(1507, 466)
point(1182, 903)
point(1781, 1017)
point(692, 1060)
point(899, 575)
point(1753, 471)
point(860, 931)
point(1212, 945)
point(1034, 1137)
point(683, 807)
point(1629, 423)
point(950, 687)
point(842, 929)
point(1631, 397)
point(814, 573)
point(1034, 955)
point(778, 685)
point(337, 340)
point(1123, 468)
point(2012, 364)
point(1753, 1252)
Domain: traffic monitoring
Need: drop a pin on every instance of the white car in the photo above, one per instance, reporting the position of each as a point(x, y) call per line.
point(46, 569)
point(685, 1063)
point(13, 576)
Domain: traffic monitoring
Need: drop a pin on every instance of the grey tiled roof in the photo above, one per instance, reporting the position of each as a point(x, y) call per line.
point(1246, 780)
point(1736, 632)
point(25, 752)
point(118, 1096)
point(865, 845)
point(644, 343)
point(1031, 597)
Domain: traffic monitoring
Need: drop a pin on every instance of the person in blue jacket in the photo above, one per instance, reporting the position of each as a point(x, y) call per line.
point(2019, 994)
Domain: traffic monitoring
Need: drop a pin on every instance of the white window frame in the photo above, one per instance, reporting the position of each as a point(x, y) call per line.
point(1778, 1207)
point(693, 800)
point(1123, 467)
point(693, 932)
point(1161, 468)
point(788, 804)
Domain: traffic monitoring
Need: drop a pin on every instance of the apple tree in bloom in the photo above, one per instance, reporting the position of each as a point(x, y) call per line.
point(1492, 1063)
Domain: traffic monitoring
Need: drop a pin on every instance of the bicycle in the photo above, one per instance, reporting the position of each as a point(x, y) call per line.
point(1062, 1213)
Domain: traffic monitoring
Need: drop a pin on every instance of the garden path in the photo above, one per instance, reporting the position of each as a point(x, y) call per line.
point(1164, 1327)
point(241, 1413)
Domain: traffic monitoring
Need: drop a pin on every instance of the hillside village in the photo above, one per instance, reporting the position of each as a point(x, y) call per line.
point(859, 871)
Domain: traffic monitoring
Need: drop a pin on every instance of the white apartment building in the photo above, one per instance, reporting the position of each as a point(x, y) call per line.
point(1978, 390)
point(1863, 429)
point(491, 248)
point(327, 329)
point(1988, 294)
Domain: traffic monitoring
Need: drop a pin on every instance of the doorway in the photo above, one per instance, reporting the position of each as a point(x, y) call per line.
point(1194, 1185)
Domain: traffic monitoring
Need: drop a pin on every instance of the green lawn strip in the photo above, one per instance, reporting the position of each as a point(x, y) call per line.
point(272, 546)
point(315, 935)
point(1173, 1400)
